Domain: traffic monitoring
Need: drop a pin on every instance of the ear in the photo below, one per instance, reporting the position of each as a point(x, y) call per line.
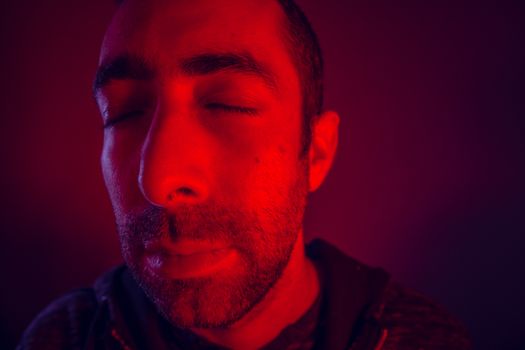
point(325, 134)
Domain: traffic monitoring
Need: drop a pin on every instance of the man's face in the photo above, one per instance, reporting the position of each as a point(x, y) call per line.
point(201, 156)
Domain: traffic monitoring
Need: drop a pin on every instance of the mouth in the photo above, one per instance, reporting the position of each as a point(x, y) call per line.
point(188, 259)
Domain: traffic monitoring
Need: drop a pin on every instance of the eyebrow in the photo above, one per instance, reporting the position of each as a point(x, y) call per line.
point(135, 68)
point(242, 63)
point(122, 67)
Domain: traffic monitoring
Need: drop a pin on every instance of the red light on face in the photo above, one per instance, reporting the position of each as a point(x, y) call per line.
point(201, 156)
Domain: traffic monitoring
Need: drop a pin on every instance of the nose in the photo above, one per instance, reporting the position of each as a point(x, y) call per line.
point(175, 159)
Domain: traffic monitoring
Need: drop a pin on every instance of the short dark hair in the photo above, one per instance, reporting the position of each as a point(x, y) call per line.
point(306, 54)
point(305, 51)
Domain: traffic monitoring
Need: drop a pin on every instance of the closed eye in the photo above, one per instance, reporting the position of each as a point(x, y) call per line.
point(122, 117)
point(231, 108)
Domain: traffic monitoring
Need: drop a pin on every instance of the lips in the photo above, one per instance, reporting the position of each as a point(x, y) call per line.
point(188, 259)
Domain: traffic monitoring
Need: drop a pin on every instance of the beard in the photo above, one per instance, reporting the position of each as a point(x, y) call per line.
point(263, 238)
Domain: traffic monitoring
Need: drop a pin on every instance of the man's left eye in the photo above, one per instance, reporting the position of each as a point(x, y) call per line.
point(231, 108)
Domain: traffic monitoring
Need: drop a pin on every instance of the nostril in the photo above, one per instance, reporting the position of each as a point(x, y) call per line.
point(182, 192)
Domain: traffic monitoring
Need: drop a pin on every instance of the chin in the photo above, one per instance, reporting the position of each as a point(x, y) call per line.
point(215, 301)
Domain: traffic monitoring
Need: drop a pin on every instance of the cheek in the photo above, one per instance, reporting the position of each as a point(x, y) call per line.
point(120, 166)
point(262, 164)
point(271, 179)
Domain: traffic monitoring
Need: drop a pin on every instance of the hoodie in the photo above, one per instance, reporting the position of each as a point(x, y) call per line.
point(359, 308)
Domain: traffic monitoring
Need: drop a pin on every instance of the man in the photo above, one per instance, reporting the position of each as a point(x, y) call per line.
point(214, 134)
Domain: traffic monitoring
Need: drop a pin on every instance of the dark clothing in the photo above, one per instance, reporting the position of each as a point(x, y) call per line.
point(359, 308)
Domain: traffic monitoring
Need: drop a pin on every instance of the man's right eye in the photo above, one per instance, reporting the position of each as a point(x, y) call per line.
point(111, 121)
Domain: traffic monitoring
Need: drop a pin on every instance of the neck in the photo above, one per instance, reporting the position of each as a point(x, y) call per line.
point(291, 296)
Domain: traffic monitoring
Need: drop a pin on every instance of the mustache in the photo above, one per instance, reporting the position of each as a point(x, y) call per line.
point(196, 222)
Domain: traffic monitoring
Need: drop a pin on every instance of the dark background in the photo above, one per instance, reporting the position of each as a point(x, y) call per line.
point(428, 181)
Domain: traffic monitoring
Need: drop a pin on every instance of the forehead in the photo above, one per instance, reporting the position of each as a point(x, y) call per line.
point(163, 32)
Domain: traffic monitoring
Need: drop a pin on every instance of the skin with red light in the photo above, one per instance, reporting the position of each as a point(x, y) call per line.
point(218, 157)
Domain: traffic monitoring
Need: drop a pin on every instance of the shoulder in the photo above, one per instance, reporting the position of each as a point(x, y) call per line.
point(411, 319)
point(61, 322)
point(67, 322)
